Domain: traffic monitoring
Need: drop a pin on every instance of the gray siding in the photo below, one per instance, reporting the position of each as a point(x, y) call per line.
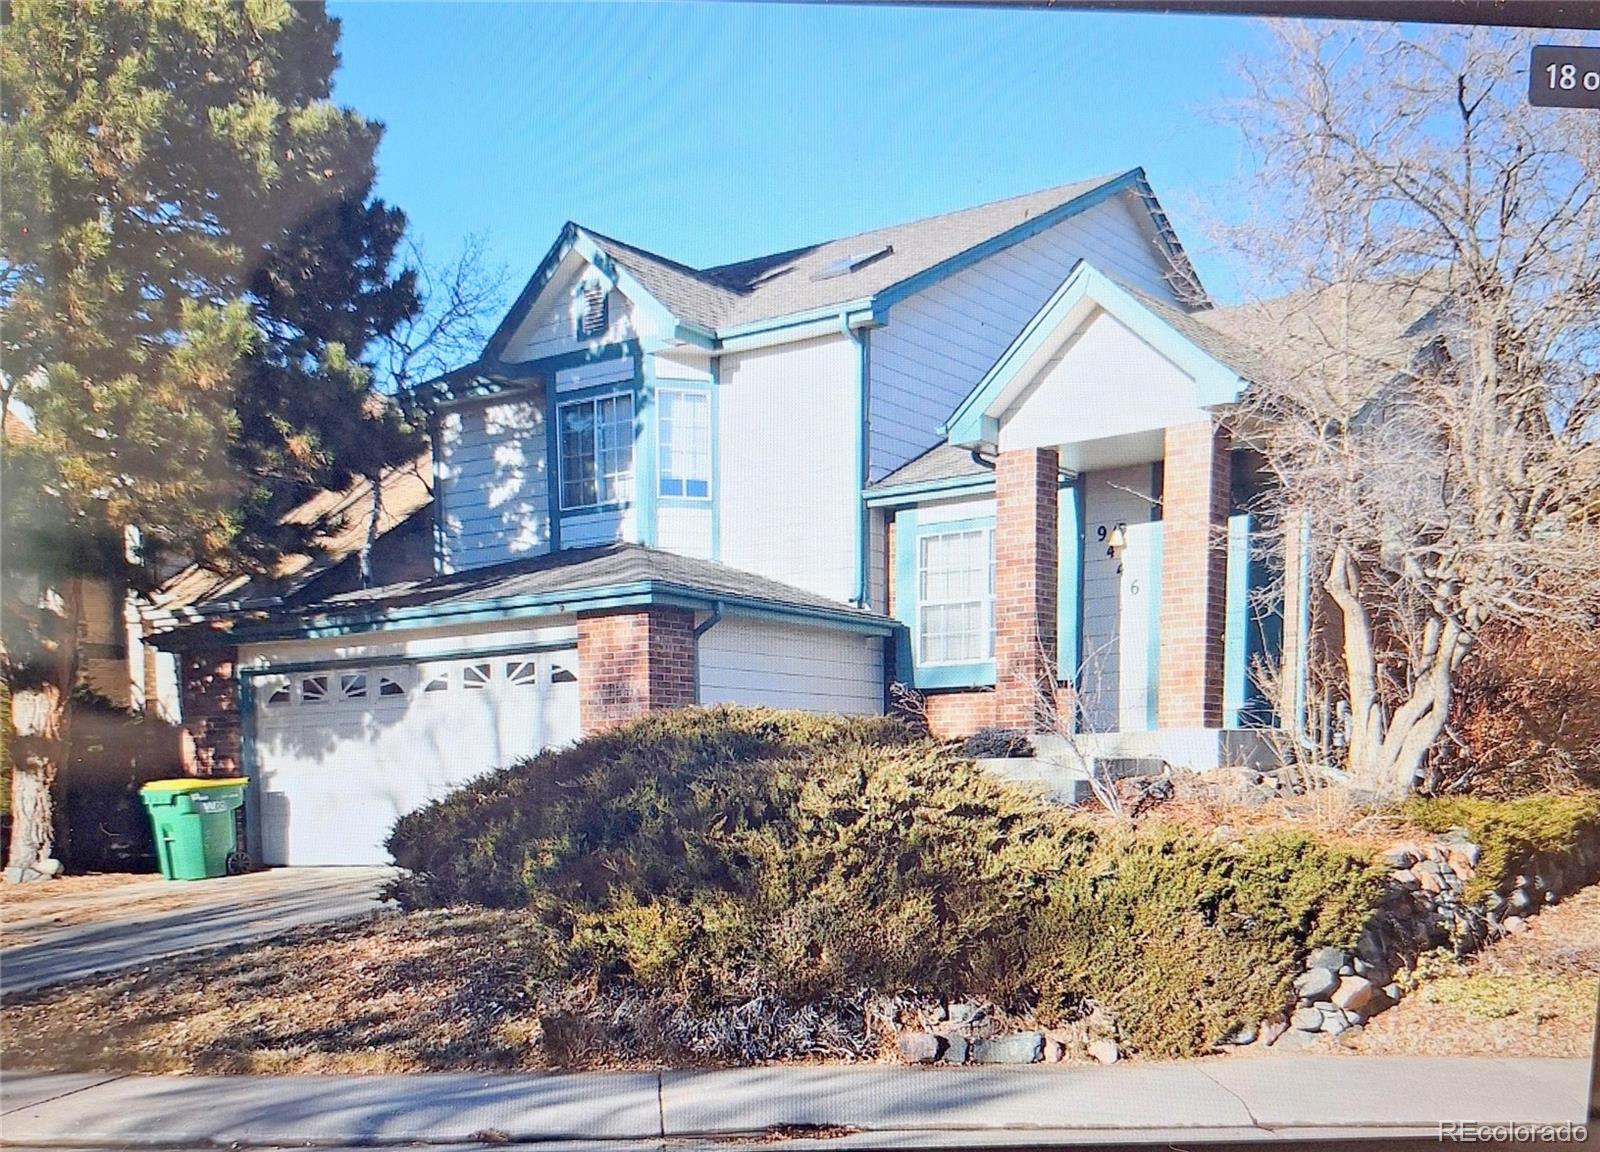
point(493, 482)
point(939, 343)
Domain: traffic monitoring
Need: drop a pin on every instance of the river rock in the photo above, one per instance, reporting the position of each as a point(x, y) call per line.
point(919, 1047)
point(1012, 1048)
point(1360, 996)
point(1306, 1020)
point(1315, 983)
point(1332, 959)
point(1105, 1051)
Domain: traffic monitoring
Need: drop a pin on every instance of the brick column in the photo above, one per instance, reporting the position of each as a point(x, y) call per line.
point(633, 662)
point(1194, 562)
point(209, 687)
point(1026, 558)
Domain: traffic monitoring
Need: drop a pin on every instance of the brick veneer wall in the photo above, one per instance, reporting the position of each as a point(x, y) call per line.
point(634, 662)
point(1027, 489)
point(1194, 563)
point(210, 691)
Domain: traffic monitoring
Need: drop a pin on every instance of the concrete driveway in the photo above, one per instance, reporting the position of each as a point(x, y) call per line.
point(48, 939)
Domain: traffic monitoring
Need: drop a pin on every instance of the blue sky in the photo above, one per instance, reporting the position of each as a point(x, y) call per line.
point(712, 132)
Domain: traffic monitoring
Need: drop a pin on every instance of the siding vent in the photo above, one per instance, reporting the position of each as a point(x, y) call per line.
point(848, 264)
point(592, 320)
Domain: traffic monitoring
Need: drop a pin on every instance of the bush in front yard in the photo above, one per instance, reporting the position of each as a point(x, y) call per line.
point(719, 856)
point(1514, 835)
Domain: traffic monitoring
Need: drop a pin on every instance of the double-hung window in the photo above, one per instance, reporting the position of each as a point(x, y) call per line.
point(685, 439)
point(955, 596)
point(597, 451)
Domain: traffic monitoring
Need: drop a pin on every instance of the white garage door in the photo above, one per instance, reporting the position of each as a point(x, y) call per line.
point(341, 753)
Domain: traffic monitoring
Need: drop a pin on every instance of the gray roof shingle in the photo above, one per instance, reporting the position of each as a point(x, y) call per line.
point(784, 283)
point(941, 462)
point(584, 569)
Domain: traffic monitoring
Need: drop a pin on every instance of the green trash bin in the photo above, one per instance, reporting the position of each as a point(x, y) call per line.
point(196, 825)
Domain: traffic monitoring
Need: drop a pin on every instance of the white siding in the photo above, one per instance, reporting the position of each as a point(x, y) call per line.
point(878, 560)
point(746, 660)
point(551, 326)
point(1106, 382)
point(686, 531)
point(1116, 598)
point(790, 478)
point(938, 343)
point(493, 482)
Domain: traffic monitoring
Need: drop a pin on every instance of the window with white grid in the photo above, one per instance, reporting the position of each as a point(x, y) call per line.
point(955, 596)
point(597, 451)
point(685, 443)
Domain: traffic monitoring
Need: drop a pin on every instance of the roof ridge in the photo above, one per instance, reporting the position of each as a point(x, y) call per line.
point(1078, 187)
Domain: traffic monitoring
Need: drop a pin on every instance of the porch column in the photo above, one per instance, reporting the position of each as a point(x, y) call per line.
point(633, 662)
point(1026, 558)
point(1194, 561)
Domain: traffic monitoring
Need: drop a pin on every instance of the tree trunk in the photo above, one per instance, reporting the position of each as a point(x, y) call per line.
point(41, 726)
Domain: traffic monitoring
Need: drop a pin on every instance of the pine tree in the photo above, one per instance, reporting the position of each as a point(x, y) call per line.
point(192, 269)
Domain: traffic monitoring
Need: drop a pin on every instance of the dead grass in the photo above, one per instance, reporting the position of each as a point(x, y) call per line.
point(1527, 995)
point(424, 992)
point(14, 897)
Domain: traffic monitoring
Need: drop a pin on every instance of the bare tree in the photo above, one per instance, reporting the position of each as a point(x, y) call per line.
point(1427, 399)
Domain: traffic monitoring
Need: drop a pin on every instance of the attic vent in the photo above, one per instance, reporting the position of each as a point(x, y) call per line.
point(848, 264)
point(592, 320)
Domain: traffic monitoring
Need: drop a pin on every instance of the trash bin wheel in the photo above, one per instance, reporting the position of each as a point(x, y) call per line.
point(238, 863)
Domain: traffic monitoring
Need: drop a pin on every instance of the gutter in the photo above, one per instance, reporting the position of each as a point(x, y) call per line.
point(700, 630)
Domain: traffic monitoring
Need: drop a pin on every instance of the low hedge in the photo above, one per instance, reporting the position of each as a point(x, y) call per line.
point(715, 856)
point(1512, 835)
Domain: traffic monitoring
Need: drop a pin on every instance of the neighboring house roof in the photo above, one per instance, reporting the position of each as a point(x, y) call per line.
point(837, 272)
point(341, 521)
point(565, 581)
point(1345, 342)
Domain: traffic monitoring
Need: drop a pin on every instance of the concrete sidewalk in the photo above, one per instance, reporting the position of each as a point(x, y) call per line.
point(1320, 1097)
point(50, 941)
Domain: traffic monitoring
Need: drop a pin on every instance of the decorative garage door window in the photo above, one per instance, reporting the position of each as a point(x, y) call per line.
point(342, 752)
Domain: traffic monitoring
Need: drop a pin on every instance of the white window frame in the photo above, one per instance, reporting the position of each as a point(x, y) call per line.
point(984, 600)
point(623, 480)
point(703, 401)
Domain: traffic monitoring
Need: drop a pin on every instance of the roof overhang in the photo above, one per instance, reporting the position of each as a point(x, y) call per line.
point(255, 625)
point(1085, 294)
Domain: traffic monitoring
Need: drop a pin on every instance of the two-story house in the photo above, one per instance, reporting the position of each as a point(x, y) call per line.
point(977, 455)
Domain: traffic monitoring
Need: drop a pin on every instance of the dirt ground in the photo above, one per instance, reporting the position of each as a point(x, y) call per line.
point(1532, 994)
point(15, 899)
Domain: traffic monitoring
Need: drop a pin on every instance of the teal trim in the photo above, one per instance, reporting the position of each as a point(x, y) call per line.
point(590, 393)
point(909, 531)
point(892, 295)
point(1086, 288)
point(573, 238)
point(548, 366)
point(638, 593)
point(915, 493)
point(904, 526)
point(290, 669)
point(1152, 693)
point(1235, 666)
point(646, 457)
point(1069, 581)
point(857, 310)
point(716, 458)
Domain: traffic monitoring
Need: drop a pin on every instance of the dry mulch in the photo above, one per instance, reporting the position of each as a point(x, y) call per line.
point(15, 899)
point(430, 991)
point(1532, 994)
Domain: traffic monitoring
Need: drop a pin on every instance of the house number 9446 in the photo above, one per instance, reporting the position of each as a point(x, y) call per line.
point(1561, 77)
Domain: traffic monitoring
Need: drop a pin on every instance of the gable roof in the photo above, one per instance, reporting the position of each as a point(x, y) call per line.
point(877, 265)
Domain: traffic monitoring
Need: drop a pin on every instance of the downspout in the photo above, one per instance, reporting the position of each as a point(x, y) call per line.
point(863, 527)
point(700, 630)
